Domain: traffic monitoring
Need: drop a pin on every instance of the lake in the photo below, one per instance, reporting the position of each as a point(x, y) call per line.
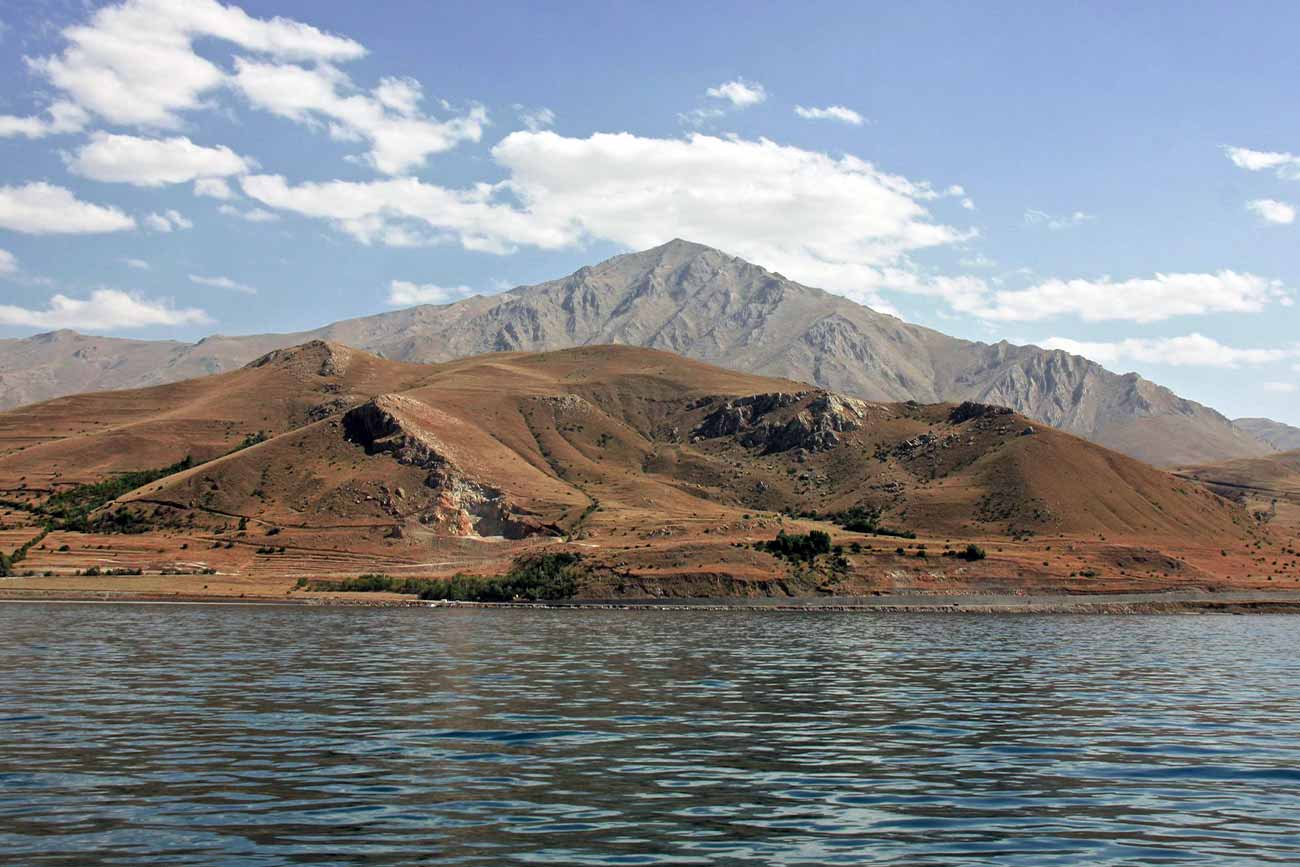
point(250, 735)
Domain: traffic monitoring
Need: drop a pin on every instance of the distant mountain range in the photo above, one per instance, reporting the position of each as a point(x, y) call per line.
point(1282, 437)
point(699, 302)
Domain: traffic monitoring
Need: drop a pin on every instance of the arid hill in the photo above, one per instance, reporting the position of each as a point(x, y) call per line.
point(1268, 487)
point(695, 301)
point(660, 473)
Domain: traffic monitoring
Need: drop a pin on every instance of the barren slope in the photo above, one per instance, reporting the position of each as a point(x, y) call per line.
point(661, 471)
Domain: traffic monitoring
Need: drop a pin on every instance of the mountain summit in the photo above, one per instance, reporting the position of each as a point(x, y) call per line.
point(703, 303)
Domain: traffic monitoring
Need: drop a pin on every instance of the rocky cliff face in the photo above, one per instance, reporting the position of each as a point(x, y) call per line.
point(703, 303)
point(399, 427)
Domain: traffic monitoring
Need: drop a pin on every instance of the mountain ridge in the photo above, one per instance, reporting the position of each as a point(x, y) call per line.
point(700, 302)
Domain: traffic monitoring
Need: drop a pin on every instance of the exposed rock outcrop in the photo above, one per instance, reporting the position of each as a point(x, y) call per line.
point(462, 506)
point(758, 423)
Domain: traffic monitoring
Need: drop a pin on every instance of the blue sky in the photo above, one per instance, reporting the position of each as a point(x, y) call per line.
point(1111, 180)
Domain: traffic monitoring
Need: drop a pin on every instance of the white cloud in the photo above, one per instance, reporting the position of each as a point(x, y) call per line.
point(740, 93)
point(1036, 217)
point(1194, 350)
point(406, 212)
point(8, 262)
point(213, 188)
point(133, 63)
point(252, 215)
point(1286, 165)
point(137, 264)
point(62, 117)
point(1272, 211)
point(223, 283)
point(833, 222)
point(44, 209)
point(167, 221)
point(389, 118)
point(153, 162)
point(831, 112)
point(977, 260)
point(404, 294)
point(700, 116)
point(535, 119)
point(1137, 300)
point(1279, 387)
point(105, 309)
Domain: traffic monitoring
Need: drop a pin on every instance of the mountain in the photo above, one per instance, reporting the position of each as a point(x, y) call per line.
point(702, 303)
point(1282, 437)
point(660, 473)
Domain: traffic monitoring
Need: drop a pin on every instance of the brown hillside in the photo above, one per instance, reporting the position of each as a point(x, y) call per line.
point(661, 471)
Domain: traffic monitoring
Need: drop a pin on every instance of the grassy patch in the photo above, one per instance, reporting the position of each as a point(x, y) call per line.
point(71, 509)
point(532, 578)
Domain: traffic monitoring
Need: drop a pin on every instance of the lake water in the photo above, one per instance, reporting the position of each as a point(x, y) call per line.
point(241, 735)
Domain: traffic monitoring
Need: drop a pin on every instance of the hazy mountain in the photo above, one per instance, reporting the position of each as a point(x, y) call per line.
point(703, 303)
point(1282, 437)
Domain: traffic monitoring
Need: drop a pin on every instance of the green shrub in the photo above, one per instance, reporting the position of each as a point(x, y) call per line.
point(532, 578)
point(798, 546)
point(71, 509)
point(972, 553)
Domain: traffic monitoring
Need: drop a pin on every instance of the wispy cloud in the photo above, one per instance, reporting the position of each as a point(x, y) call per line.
point(251, 215)
point(402, 293)
point(831, 112)
point(223, 283)
point(1192, 350)
point(739, 92)
point(1284, 165)
point(1272, 211)
point(168, 221)
point(1035, 217)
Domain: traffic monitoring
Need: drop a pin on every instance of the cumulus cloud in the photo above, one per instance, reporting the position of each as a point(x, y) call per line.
point(8, 262)
point(1137, 300)
point(223, 283)
point(831, 112)
point(133, 63)
point(1280, 387)
point(44, 209)
point(60, 117)
point(834, 222)
point(740, 93)
point(251, 215)
point(168, 221)
point(1272, 211)
point(1195, 350)
point(1035, 217)
point(388, 118)
point(147, 162)
point(104, 310)
point(137, 264)
point(402, 293)
point(1285, 165)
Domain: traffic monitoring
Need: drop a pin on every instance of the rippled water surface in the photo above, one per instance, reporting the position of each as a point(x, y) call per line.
point(141, 734)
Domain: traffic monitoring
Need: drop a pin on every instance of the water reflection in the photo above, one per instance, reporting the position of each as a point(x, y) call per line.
point(244, 735)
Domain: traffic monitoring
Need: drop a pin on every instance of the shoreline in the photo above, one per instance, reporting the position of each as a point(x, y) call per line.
point(1175, 602)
